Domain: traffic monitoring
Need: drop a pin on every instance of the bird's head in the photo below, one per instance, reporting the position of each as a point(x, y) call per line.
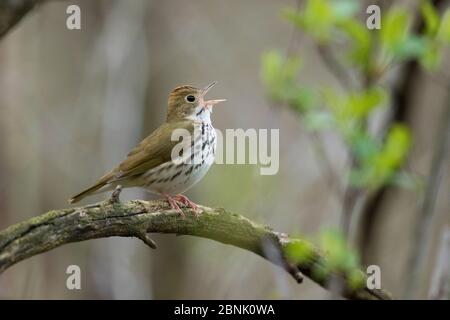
point(188, 102)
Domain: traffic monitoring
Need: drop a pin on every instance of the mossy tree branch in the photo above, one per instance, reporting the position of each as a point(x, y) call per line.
point(139, 218)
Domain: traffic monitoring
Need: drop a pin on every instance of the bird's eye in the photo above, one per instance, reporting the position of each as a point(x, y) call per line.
point(190, 98)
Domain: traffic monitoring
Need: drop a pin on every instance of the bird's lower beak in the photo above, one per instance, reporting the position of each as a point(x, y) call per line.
point(214, 102)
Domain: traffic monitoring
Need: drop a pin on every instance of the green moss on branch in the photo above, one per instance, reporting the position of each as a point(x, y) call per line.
point(140, 218)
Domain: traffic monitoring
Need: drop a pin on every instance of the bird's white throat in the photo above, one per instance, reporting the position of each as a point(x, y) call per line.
point(201, 114)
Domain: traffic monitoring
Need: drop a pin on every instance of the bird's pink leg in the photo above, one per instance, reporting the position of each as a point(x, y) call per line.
point(173, 204)
point(184, 200)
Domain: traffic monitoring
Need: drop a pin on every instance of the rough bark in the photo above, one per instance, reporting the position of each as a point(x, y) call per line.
point(139, 218)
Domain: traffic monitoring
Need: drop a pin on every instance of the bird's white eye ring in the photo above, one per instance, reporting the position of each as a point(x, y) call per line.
point(190, 98)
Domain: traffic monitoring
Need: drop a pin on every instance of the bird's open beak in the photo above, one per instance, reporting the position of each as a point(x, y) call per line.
point(211, 102)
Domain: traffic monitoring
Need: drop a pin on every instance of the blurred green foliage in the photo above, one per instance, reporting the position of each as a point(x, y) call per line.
point(335, 247)
point(280, 76)
point(379, 162)
point(320, 17)
point(368, 55)
point(300, 251)
point(336, 257)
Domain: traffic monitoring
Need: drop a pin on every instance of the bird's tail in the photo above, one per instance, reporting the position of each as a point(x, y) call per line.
point(92, 190)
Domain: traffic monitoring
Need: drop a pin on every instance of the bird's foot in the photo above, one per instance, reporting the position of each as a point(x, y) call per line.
point(174, 205)
point(184, 200)
point(115, 196)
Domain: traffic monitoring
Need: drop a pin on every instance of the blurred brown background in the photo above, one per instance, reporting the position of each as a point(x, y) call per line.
point(73, 102)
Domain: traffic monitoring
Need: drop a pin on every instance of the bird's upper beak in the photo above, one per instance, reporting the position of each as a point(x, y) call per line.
point(211, 102)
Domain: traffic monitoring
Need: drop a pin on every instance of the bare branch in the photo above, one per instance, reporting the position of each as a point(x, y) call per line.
point(12, 11)
point(427, 211)
point(139, 218)
point(440, 285)
point(335, 67)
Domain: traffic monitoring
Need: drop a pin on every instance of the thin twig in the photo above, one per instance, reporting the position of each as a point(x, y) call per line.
point(329, 172)
point(293, 42)
point(335, 67)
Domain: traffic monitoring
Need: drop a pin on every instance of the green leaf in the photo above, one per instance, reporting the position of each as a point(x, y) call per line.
point(321, 271)
point(319, 17)
point(356, 279)
point(394, 30)
point(302, 99)
point(361, 44)
point(278, 75)
point(300, 251)
point(397, 145)
point(378, 164)
point(411, 47)
point(318, 120)
point(271, 64)
point(397, 41)
point(316, 19)
point(431, 18)
point(339, 256)
point(354, 106)
point(295, 17)
point(364, 147)
point(360, 104)
point(380, 169)
point(318, 12)
point(431, 58)
point(443, 34)
point(344, 9)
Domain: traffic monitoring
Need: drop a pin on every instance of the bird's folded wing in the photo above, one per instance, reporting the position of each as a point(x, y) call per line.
point(151, 152)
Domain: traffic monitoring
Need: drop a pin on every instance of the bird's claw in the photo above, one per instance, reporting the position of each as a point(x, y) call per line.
point(188, 203)
point(174, 205)
point(115, 196)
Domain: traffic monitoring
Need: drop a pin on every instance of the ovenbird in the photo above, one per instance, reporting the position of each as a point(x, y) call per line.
point(151, 164)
